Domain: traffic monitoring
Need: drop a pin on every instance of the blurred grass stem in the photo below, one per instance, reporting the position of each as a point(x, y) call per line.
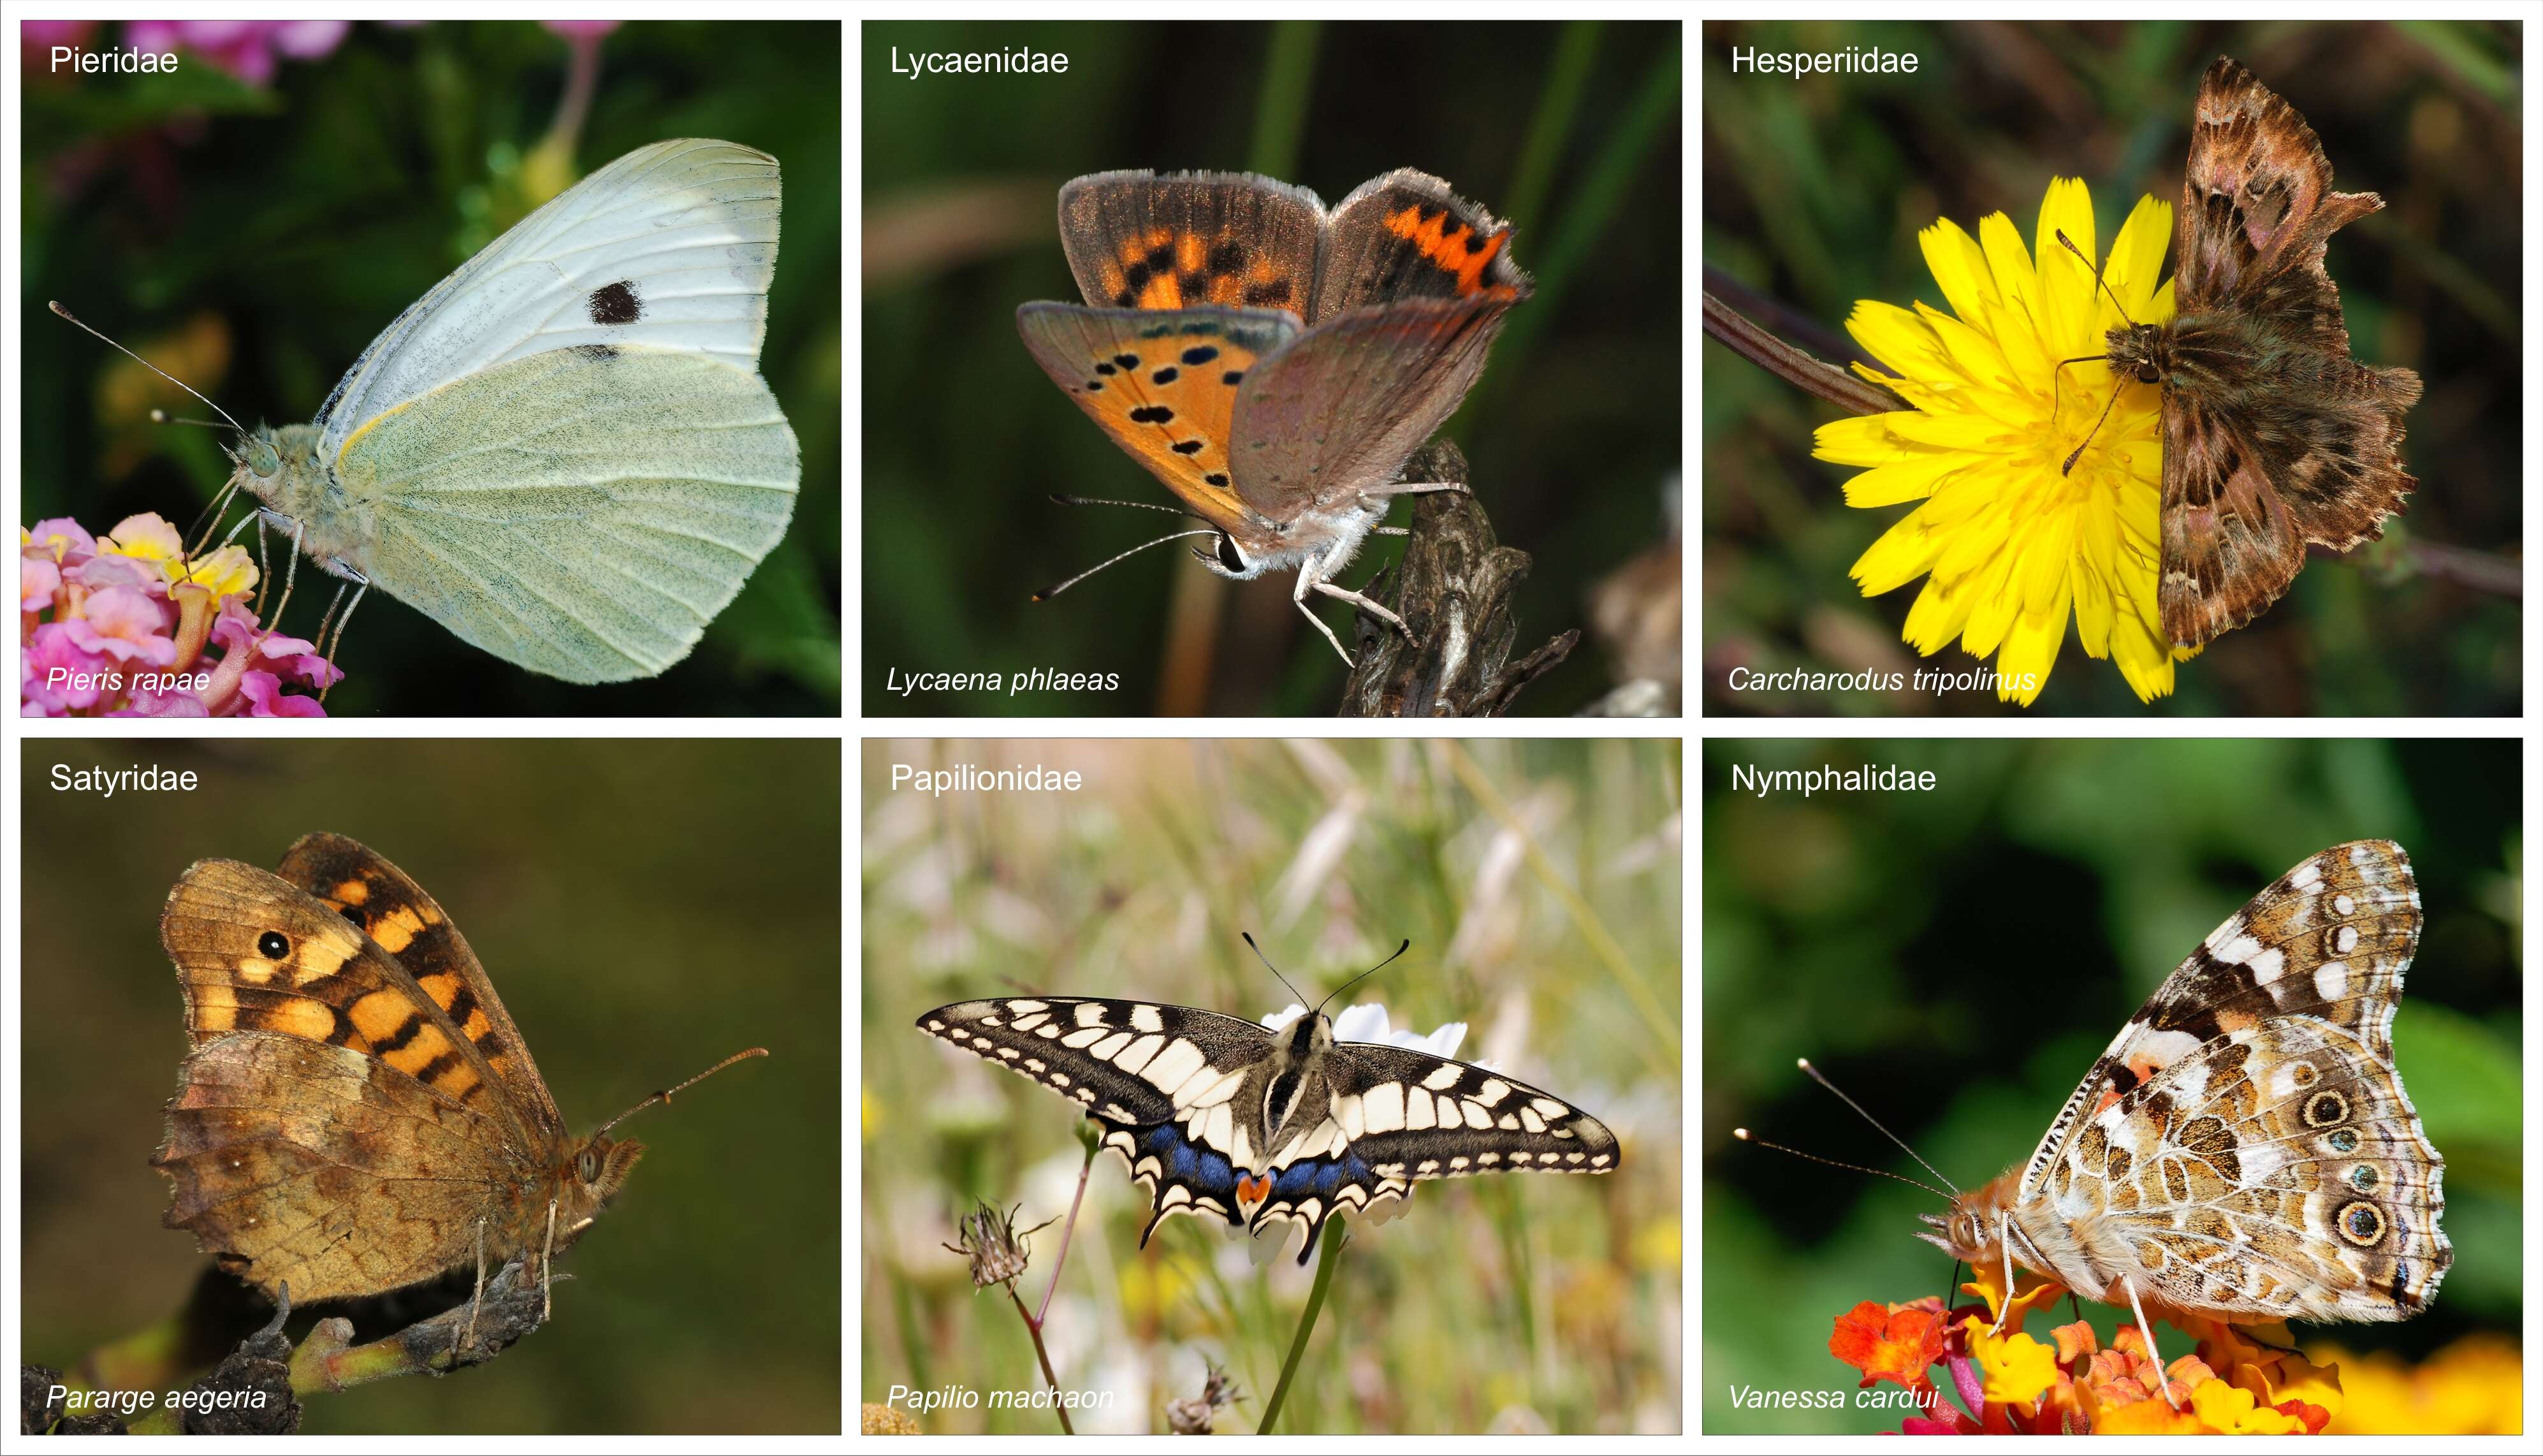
point(1661, 1024)
point(1337, 1234)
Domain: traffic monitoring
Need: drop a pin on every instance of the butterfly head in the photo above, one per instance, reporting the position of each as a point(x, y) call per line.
point(598, 1168)
point(280, 467)
point(1973, 1232)
point(1224, 557)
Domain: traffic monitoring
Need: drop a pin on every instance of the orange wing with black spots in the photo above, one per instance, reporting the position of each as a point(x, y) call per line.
point(1137, 240)
point(1407, 236)
point(1163, 384)
point(401, 919)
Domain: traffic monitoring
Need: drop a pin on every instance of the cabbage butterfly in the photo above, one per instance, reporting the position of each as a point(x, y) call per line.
point(564, 453)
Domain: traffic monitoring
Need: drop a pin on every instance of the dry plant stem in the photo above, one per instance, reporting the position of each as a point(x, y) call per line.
point(2476, 570)
point(1737, 333)
point(1337, 1234)
point(1034, 1317)
point(1032, 1328)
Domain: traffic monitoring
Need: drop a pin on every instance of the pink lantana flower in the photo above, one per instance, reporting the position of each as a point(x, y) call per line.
point(123, 626)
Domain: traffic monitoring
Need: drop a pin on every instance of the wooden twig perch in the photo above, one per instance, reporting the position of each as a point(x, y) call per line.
point(1455, 587)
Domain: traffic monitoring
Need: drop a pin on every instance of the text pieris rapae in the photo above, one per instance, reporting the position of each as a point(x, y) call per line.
point(565, 453)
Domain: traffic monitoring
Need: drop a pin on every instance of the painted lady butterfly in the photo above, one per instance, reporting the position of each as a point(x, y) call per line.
point(2244, 1151)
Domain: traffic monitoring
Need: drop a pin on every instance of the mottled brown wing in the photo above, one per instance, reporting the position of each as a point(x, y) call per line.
point(2328, 942)
point(2256, 209)
point(401, 919)
point(295, 1162)
point(2256, 202)
point(2229, 548)
point(1139, 240)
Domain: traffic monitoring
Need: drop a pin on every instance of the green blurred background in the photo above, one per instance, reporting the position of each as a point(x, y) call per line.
point(1817, 189)
point(251, 239)
point(1955, 959)
point(645, 907)
point(1539, 883)
point(1570, 132)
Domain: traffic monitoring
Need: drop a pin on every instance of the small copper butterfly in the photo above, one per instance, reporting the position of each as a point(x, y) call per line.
point(1273, 361)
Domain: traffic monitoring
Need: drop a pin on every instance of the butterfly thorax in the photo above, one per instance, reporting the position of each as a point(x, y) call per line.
point(286, 470)
point(1287, 1091)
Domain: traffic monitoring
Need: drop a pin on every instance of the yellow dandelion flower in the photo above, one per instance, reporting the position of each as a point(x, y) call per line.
point(2010, 540)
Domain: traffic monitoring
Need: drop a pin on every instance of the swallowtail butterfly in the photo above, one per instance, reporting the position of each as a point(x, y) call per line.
point(1264, 1126)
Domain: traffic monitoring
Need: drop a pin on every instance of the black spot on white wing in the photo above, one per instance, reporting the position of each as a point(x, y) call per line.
point(615, 303)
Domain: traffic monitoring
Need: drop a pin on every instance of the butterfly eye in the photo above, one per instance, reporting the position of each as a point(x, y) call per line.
point(261, 458)
point(1228, 556)
point(273, 945)
point(587, 1167)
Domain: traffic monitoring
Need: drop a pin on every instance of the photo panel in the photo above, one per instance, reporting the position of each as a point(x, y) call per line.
point(575, 285)
point(270, 1063)
point(1065, 1031)
point(1258, 314)
point(2114, 367)
point(2309, 1182)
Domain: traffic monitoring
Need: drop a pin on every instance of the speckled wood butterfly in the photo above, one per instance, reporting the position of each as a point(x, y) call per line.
point(358, 1113)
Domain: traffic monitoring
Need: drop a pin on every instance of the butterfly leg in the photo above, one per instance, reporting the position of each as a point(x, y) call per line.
point(361, 588)
point(2147, 1331)
point(547, 1266)
point(2004, 1240)
point(1307, 579)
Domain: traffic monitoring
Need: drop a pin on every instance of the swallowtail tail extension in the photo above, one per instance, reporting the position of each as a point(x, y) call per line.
point(1217, 1114)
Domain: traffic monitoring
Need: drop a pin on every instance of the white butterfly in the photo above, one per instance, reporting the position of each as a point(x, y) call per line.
point(565, 453)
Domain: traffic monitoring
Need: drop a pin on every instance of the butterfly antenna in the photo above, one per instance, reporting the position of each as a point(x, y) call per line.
point(1048, 592)
point(1133, 505)
point(146, 364)
point(1268, 966)
point(666, 1094)
point(1363, 975)
point(2098, 280)
point(1744, 1135)
point(1815, 1076)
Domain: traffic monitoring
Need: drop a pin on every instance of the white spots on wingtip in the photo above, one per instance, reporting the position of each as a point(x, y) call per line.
point(1147, 1019)
point(2343, 905)
point(2331, 979)
point(1085, 1036)
point(2232, 944)
point(1443, 1075)
point(2268, 965)
point(1029, 1020)
point(1022, 1007)
point(2345, 940)
point(1492, 1092)
point(1090, 1013)
point(2305, 875)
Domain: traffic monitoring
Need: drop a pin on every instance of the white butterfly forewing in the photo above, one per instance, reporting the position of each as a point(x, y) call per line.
point(584, 513)
point(671, 246)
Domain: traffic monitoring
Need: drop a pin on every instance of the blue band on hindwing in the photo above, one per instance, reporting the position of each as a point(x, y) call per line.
point(1187, 1164)
point(1320, 1177)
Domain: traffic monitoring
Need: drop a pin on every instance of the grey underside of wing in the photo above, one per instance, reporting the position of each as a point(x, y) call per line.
point(582, 513)
point(1339, 410)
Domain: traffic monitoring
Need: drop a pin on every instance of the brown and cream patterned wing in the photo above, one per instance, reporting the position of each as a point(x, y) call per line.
point(401, 919)
point(2327, 941)
point(2278, 1173)
point(295, 1162)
